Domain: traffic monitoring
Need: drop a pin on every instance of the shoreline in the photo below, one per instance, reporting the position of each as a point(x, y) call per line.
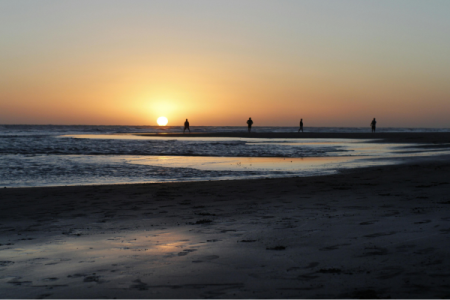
point(372, 232)
point(399, 161)
point(390, 137)
point(423, 142)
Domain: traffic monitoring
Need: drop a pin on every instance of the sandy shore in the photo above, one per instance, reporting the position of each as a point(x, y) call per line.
point(389, 137)
point(366, 233)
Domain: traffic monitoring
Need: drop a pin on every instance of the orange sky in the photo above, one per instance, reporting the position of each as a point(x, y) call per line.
point(219, 64)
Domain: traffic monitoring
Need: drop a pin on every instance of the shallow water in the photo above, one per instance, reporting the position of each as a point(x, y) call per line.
point(72, 155)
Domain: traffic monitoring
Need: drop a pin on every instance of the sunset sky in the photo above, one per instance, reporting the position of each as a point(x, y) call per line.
point(332, 63)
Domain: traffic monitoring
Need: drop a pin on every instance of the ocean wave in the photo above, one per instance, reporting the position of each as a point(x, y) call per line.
point(26, 130)
point(49, 145)
point(67, 170)
point(39, 155)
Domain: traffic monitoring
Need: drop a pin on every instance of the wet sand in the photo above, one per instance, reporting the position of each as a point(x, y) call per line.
point(365, 233)
point(388, 137)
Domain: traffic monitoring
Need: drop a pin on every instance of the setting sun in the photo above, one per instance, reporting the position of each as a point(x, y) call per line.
point(162, 121)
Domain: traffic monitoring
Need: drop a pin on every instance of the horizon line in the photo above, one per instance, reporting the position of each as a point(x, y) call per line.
point(219, 126)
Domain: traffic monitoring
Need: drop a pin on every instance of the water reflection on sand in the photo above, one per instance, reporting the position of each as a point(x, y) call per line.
point(128, 158)
point(290, 164)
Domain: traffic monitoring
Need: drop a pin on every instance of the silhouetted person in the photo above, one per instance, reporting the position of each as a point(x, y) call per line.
point(301, 125)
point(373, 124)
point(186, 126)
point(249, 123)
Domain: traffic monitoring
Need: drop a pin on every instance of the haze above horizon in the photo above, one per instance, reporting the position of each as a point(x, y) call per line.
point(332, 63)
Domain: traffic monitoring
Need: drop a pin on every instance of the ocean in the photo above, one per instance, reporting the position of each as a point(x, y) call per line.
point(55, 155)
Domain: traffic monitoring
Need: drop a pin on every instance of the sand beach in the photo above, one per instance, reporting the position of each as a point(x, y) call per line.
point(224, 149)
point(375, 232)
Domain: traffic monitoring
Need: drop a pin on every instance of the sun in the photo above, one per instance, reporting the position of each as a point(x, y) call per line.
point(162, 121)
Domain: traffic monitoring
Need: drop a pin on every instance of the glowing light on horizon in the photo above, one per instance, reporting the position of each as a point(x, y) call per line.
point(162, 121)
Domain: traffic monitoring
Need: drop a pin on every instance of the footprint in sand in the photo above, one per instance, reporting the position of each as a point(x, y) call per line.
point(205, 258)
point(378, 234)
point(38, 260)
point(92, 278)
point(50, 279)
point(139, 285)
point(368, 222)
point(6, 263)
point(186, 252)
point(16, 281)
point(423, 222)
point(77, 275)
point(277, 248)
point(372, 251)
point(328, 248)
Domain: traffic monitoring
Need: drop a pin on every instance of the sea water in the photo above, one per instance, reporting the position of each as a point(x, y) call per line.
point(50, 155)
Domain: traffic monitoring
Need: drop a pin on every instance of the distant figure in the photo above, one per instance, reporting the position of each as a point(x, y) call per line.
point(373, 124)
point(301, 125)
point(186, 126)
point(249, 123)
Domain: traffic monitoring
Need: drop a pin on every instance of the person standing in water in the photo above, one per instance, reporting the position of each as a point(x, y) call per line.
point(249, 123)
point(301, 125)
point(186, 126)
point(373, 124)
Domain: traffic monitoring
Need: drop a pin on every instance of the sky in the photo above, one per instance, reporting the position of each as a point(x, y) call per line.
point(217, 63)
